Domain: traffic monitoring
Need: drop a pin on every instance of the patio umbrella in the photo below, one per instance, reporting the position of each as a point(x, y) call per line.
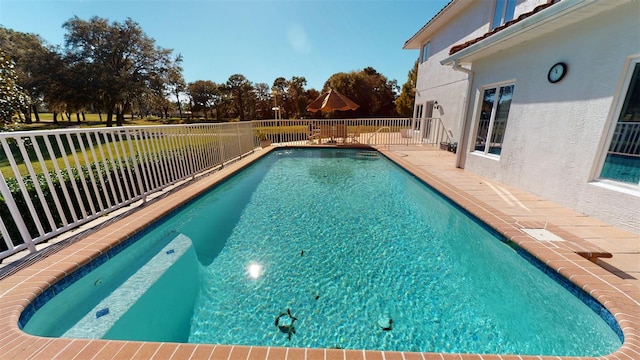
point(330, 101)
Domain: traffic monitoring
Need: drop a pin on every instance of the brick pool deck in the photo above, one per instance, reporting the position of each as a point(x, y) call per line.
point(600, 258)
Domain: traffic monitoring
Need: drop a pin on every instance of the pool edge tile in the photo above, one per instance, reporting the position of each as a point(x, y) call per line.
point(550, 253)
point(259, 353)
point(239, 353)
point(279, 353)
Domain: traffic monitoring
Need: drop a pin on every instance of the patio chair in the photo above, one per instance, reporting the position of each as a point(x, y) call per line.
point(341, 133)
point(326, 132)
point(313, 135)
point(320, 132)
point(354, 136)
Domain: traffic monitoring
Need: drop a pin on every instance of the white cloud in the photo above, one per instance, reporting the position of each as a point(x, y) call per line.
point(298, 38)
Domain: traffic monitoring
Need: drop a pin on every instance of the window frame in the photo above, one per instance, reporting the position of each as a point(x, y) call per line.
point(492, 117)
point(418, 111)
point(502, 6)
point(425, 52)
point(613, 119)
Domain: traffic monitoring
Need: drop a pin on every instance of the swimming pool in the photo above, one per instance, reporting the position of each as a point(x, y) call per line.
point(376, 248)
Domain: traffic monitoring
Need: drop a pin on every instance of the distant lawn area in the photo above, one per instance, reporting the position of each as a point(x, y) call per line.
point(92, 121)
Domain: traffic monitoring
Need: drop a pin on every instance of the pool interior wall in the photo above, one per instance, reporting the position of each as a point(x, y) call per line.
point(67, 281)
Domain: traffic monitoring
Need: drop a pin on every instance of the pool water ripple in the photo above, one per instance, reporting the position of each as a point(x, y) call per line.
point(346, 243)
point(356, 242)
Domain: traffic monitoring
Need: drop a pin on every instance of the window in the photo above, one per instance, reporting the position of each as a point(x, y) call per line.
point(622, 161)
point(419, 108)
point(426, 48)
point(493, 119)
point(504, 12)
point(417, 116)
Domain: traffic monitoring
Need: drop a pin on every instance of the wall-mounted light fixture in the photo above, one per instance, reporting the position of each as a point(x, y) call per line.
point(435, 105)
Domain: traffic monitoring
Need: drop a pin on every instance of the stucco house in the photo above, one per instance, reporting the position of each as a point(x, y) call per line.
point(542, 95)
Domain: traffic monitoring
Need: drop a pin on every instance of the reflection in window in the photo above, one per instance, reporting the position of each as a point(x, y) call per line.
point(493, 119)
point(485, 118)
point(504, 12)
point(426, 49)
point(623, 157)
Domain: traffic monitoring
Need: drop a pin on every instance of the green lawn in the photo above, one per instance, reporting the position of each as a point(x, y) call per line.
point(151, 146)
point(92, 121)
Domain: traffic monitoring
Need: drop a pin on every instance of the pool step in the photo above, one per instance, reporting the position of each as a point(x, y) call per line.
point(371, 155)
point(97, 322)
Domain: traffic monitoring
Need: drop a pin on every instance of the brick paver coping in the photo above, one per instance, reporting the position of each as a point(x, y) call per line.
point(18, 290)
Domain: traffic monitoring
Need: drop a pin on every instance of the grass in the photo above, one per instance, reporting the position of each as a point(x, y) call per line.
point(152, 146)
point(117, 148)
point(92, 121)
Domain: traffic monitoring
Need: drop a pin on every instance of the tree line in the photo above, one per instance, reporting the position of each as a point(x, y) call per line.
point(114, 69)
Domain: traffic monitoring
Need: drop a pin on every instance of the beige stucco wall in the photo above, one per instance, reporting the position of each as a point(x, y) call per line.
point(554, 134)
point(441, 83)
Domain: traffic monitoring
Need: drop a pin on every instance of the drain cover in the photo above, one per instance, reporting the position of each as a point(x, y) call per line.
point(542, 235)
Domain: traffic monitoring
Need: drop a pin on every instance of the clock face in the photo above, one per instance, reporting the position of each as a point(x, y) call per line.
point(557, 72)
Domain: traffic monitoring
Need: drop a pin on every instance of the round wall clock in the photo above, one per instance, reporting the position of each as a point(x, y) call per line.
point(557, 72)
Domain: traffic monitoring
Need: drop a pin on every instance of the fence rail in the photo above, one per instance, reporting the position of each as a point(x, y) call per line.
point(393, 131)
point(54, 181)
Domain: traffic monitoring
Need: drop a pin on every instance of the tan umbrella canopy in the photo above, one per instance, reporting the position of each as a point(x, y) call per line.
point(330, 101)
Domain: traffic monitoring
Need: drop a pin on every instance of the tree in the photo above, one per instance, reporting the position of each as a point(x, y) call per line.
point(352, 86)
point(63, 85)
point(280, 98)
point(311, 95)
point(162, 106)
point(367, 88)
point(404, 102)
point(290, 96)
point(120, 60)
point(12, 96)
point(240, 90)
point(175, 81)
point(263, 101)
point(28, 51)
point(205, 95)
point(382, 93)
point(296, 95)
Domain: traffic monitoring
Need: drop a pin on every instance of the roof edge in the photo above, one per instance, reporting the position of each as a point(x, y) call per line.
point(444, 15)
point(540, 18)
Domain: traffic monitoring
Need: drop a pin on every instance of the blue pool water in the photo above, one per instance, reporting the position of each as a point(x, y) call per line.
point(359, 252)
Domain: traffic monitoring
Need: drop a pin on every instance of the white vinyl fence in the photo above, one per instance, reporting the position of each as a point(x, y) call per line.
point(391, 131)
point(61, 179)
point(54, 181)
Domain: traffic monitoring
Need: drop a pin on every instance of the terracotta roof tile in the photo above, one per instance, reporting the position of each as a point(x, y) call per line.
point(454, 49)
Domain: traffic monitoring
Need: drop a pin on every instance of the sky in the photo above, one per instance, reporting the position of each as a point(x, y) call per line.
point(260, 39)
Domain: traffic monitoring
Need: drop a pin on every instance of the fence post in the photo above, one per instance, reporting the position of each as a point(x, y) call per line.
point(222, 146)
point(190, 153)
point(238, 139)
point(138, 169)
point(15, 214)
